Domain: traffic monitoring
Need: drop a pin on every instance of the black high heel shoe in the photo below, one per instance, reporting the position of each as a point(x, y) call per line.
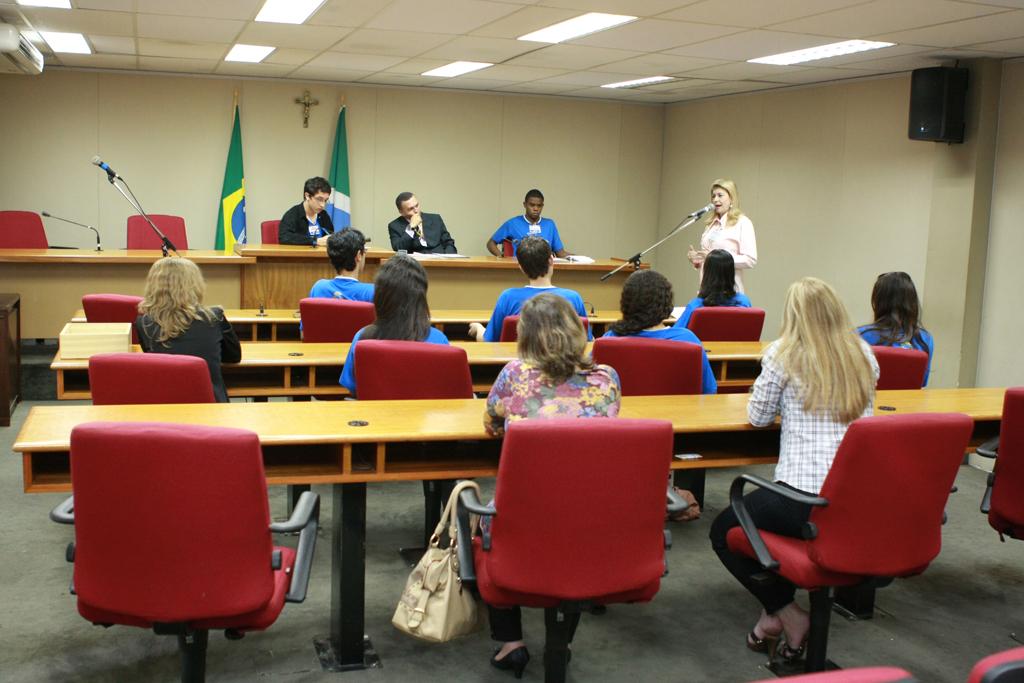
point(514, 661)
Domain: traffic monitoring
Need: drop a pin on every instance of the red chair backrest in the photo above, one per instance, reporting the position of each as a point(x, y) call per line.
point(146, 378)
point(508, 249)
point(269, 231)
point(900, 368)
point(727, 323)
point(1006, 514)
point(544, 542)
point(1002, 667)
point(887, 489)
point(112, 308)
point(397, 370)
point(22, 230)
point(171, 521)
point(141, 236)
point(334, 320)
point(652, 367)
point(510, 328)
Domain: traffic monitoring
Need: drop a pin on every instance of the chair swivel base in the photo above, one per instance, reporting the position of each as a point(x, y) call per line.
point(330, 658)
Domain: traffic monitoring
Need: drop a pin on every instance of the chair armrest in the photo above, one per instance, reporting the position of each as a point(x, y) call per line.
point(467, 504)
point(986, 499)
point(989, 449)
point(65, 512)
point(750, 529)
point(305, 519)
point(676, 503)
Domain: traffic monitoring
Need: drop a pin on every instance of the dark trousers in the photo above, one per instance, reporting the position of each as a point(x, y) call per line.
point(770, 512)
point(507, 624)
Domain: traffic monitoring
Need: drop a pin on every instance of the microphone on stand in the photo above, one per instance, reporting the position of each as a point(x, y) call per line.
point(81, 225)
point(701, 211)
point(111, 175)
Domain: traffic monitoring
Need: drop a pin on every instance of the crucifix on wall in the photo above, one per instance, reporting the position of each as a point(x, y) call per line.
point(306, 101)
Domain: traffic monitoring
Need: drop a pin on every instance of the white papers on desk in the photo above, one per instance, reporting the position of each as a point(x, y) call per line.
point(429, 257)
point(575, 258)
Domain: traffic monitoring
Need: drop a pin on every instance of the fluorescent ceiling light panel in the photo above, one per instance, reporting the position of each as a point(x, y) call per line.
point(821, 52)
point(636, 83)
point(288, 11)
point(248, 53)
point(585, 24)
point(68, 43)
point(60, 4)
point(456, 69)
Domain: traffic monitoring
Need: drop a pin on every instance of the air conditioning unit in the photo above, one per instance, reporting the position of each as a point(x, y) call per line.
point(17, 54)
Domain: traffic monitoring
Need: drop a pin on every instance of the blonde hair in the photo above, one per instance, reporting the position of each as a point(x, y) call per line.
point(173, 299)
point(819, 348)
point(551, 337)
point(734, 213)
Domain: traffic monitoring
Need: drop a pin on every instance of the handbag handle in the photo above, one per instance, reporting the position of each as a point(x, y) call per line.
point(448, 516)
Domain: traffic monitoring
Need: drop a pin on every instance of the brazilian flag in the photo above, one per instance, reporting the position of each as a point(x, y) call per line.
point(231, 214)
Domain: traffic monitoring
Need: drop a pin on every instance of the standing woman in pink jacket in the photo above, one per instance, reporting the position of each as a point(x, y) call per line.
point(729, 229)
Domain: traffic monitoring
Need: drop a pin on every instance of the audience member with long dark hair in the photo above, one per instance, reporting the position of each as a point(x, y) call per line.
point(897, 312)
point(717, 286)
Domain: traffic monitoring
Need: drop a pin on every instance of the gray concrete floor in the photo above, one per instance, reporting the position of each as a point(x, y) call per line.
point(967, 605)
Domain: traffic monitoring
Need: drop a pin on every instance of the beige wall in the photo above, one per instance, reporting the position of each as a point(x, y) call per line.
point(470, 157)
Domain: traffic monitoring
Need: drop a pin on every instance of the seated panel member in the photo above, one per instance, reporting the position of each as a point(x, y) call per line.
point(414, 231)
point(347, 253)
point(717, 286)
point(530, 223)
point(645, 303)
point(308, 222)
point(537, 263)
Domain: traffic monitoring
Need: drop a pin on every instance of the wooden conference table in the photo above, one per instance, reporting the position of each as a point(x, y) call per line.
point(298, 369)
point(350, 443)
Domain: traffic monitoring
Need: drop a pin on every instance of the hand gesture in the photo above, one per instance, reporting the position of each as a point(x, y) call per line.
point(696, 256)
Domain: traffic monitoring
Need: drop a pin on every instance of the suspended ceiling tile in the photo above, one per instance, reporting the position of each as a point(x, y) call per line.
point(480, 49)
point(572, 57)
point(638, 8)
point(113, 5)
point(261, 69)
point(415, 67)
point(741, 71)
point(214, 9)
point(81, 21)
point(290, 56)
point(660, 64)
point(119, 45)
point(463, 83)
point(188, 28)
point(291, 35)
point(881, 16)
point(1014, 46)
point(354, 62)
point(751, 44)
point(100, 61)
point(871, 55)
point(152, 47)
point(350, 13)
point(525, 21)
point(539, 88)
point(451, 16)
point(193, 66)
point(992, 27)
point(585, 78)
point(387, 78)
point(654, 35)
point(754, 13)
point(508, 72)
point(317, 73)
point(818, 75)
point(371, 41)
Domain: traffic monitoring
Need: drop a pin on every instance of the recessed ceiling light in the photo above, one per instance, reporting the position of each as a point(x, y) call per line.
point(639, 82)
point(248, 53)
point(60, 4)
point(456, 69)
point(288, 11)
point(70, 43)
point(820, 52)
point(585, 24)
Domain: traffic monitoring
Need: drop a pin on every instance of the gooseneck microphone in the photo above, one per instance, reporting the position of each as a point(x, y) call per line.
point(99, 247)
point(701, 211)
point(111, 174)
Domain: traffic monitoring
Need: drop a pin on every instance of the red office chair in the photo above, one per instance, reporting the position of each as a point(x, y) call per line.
point(879, 514)
point(567, 529)
point(900, 368)
point(652, 367)
point(269, 231)
point(508, 248)
point(510, 329)
point(22, 230)
point(141, 236)
point(727, 323)
point(870, 674)
point(334, 320)
point(112, 308)
point(1004, 495)
point(1002, 667)
point(146, 378)
point(147, 555)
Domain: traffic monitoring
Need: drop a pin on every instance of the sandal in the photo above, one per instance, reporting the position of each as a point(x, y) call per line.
point(766, 645)
point(790, 654)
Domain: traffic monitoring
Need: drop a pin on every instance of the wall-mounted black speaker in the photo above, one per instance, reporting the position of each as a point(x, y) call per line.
point(937, 99)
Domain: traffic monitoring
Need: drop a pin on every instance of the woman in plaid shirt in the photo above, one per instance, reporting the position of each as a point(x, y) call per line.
point(819, 376)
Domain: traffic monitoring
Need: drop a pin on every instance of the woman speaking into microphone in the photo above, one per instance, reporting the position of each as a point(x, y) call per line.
point(729, 229)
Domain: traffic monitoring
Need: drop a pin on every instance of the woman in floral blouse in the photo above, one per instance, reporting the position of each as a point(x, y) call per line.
point(551, 378)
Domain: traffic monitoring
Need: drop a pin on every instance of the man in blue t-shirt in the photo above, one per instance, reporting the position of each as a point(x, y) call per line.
point(537, 263)
point(529, 224)
point(347, 253)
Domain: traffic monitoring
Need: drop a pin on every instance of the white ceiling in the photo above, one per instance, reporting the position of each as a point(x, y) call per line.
point(703, 43)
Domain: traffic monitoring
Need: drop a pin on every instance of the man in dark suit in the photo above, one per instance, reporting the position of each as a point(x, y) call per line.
point(414, 231)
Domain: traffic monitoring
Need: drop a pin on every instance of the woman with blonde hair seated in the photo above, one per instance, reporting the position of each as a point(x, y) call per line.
point(173, 319)
point(819, 376)
point(552, 378)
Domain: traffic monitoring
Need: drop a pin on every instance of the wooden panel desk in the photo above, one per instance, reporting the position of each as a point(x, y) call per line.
point(321, 443)
point(51, 282)
point(298, 369)
point(283, 274)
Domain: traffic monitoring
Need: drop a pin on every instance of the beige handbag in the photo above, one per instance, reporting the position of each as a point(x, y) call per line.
point(434, 605)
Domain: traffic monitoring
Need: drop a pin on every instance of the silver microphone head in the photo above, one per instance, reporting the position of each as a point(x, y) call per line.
point(43, 213)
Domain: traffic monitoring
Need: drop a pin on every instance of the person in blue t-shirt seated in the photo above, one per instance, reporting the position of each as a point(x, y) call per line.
point(346, 251)
point(717, 288)
point(537, 263)
point(645, 303)
point(529, 224)
point(308, 223)
point(400, 299)
point(897, 313)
